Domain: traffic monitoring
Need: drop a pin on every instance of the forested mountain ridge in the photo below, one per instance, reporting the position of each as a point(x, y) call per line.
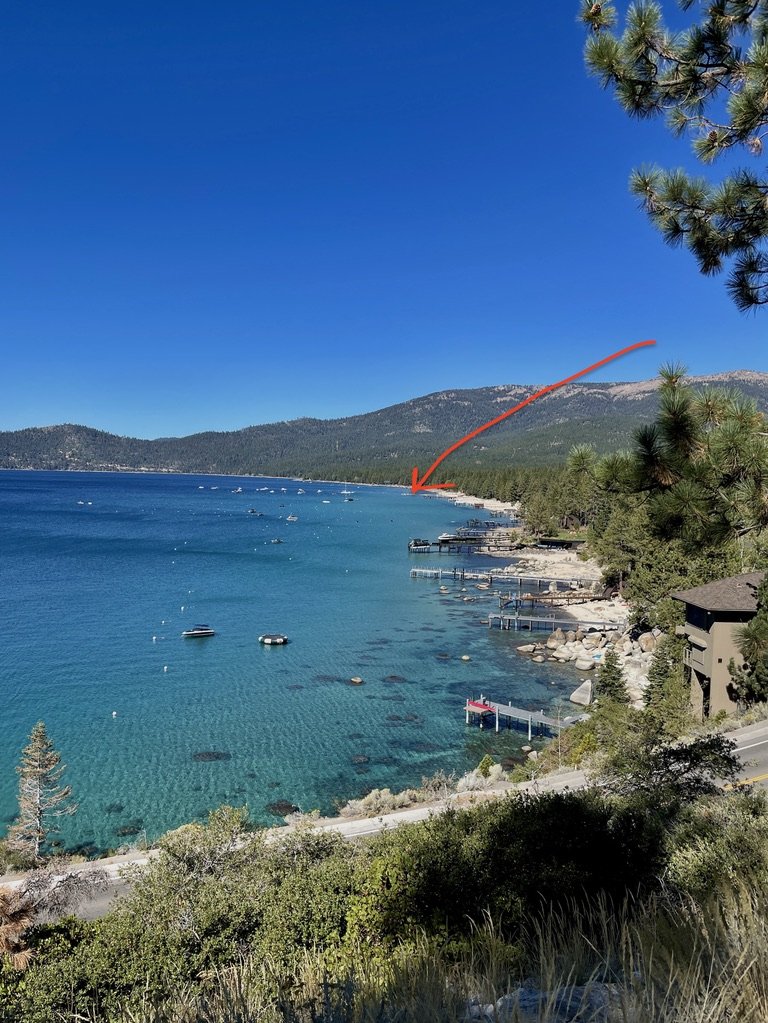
point(381, 445)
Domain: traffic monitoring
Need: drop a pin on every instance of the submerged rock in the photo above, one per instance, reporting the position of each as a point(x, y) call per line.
point(282, 807)
point(127, 830)
point(208, 755)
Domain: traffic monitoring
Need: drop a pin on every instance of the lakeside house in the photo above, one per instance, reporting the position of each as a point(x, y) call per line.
point(713, 614)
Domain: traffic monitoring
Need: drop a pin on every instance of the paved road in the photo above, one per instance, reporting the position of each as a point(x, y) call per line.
point(751, 744)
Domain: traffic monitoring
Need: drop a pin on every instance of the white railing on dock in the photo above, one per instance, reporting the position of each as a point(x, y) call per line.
point(501, 575)
point(533, 719)
point(544, 623)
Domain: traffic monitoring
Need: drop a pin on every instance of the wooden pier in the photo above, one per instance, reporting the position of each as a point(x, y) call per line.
point(486, 711)
point(544, 623)
point(559, 598)
point(501, 575)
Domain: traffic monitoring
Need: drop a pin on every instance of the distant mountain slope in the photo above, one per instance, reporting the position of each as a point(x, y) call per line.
point(381, 445)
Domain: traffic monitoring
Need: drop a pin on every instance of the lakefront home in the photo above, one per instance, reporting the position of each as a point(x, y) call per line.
point(713, 614)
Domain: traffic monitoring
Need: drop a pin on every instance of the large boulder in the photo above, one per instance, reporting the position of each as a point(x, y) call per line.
point(592, 640)
point(585, 663)
point(556, 639)
point(596, 1002)
point(583, 695)
point(647, 642)
point(527, 648)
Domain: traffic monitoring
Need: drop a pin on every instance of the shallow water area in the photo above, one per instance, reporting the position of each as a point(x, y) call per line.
point(101, 573)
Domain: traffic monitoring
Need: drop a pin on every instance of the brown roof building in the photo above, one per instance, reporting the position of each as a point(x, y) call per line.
point(713, 614)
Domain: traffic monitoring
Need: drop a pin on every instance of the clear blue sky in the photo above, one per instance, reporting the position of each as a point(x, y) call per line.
point(223, 214)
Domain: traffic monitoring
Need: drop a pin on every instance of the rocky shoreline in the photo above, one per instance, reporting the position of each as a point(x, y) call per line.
point(585, 650)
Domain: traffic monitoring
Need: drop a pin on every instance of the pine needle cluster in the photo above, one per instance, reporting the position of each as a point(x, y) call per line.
point(709, 82)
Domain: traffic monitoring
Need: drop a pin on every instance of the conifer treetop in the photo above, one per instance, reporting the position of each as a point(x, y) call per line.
point(710, 82)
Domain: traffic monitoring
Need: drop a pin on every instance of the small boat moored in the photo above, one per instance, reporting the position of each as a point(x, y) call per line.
point(197, 631)
point(419, 546)
point(273, 639)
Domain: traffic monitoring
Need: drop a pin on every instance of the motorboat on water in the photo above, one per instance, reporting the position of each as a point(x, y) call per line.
point(273, 639)
point(292, 518)
point(198, 631)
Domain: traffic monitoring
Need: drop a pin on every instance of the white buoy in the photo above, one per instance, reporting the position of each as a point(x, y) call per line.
point(165, 667)
point(466, 657)
point(114, 713)
point(154, 639)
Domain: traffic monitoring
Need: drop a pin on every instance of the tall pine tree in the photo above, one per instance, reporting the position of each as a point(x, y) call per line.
point(610, 683)
point(42, 800)
point(710, 82)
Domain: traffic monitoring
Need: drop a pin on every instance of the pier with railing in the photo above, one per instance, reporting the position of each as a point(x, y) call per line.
point(489, 713)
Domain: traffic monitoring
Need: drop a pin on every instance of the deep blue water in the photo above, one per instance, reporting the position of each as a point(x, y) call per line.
point(101, 572)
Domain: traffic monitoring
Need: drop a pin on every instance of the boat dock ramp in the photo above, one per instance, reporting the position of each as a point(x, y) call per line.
point(488, 713)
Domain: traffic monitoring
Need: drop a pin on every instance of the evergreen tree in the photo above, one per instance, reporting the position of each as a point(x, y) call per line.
point(610, 683)
point(668, 697)
point(689, 502)
point(750, 679)
point(710, 82)
point(42, 800)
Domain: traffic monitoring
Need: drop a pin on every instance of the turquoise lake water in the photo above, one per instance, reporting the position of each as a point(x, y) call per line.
point(101, 572)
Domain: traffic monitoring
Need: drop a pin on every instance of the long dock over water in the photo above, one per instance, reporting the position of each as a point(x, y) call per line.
point(544, 623)
point(502, 575)
point(548, 592)
point(486, 711)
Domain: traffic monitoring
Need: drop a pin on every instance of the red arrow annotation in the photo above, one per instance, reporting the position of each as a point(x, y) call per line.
point(421, 484)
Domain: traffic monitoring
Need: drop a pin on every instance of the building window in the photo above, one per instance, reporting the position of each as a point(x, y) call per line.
point(696, 616)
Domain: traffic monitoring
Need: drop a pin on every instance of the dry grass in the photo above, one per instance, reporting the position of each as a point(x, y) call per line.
point(649, 964)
